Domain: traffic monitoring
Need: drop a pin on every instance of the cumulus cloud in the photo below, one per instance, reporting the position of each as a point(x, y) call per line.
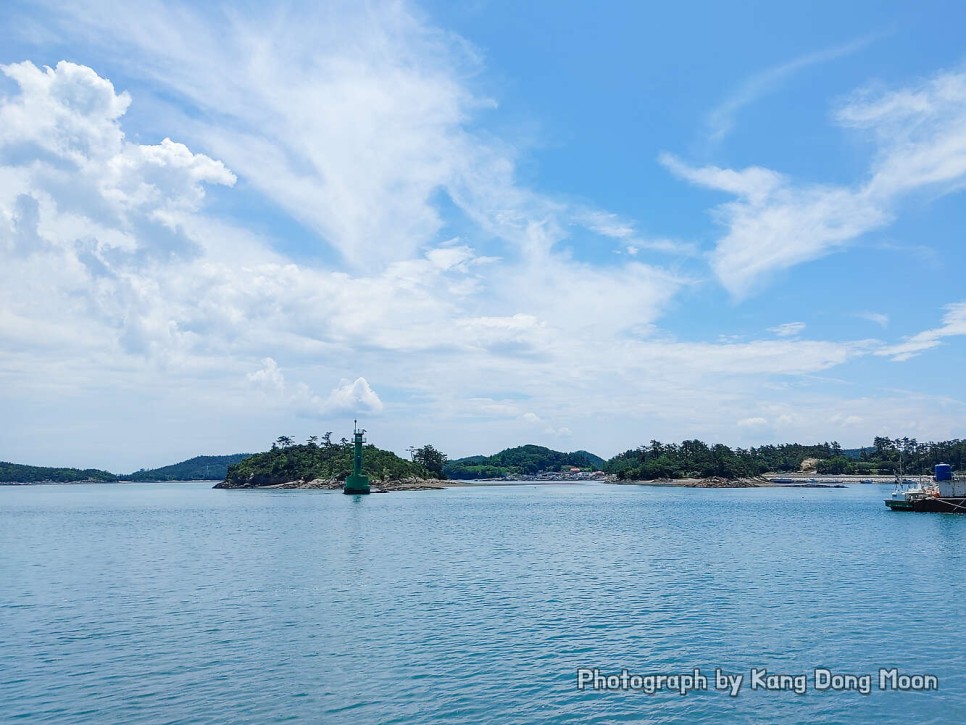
point(269, 376)
point(776, 223)
point(85, 213)
point(353, 397)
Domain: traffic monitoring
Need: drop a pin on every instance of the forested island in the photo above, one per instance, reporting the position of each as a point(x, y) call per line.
point(322, 463)
point(696, 459)
point(18, 473)
point(199, 468)
point(521, 461)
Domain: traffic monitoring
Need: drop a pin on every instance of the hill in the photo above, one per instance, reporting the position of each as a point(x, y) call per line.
point(522, 460)
point(199, 468)
point(17, 473)
point(311, 461)
point(696, 459)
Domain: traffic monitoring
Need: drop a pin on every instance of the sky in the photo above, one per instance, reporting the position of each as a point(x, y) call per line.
point(478, 225)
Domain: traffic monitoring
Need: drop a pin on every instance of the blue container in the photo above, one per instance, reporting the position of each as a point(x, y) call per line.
point(944, 472)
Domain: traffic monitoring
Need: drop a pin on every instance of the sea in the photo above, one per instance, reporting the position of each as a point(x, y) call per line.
point(583, 602)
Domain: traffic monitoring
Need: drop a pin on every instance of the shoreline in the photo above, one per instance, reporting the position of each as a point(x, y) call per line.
point(768, 480)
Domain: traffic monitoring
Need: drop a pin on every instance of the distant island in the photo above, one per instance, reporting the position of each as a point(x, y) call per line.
point(528, 460)
point(199, 468)
point(323, 463)
point(18, 473)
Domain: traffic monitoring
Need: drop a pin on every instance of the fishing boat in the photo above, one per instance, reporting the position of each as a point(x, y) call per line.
point(942, 494)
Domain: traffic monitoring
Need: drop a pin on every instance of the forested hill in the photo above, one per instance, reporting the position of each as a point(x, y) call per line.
point(199, 468)
point(695, 459)
point(290, 462)
point(17, 473)
point(525, 460)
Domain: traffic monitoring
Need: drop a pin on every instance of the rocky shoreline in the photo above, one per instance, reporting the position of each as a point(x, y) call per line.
point(794, 480)
point(712, 482)
point(420, 484)
point(398, 484)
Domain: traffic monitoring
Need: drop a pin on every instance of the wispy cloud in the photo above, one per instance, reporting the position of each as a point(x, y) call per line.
point(776, 222)
point(788, 329)
point(954, 324)
point(721, 119)
point(879, 318)
point(632, 242)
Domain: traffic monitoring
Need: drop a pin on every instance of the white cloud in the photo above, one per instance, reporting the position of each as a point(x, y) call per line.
point(921, 131)
point(268, 376)
point(355, 396)
point(954, 323)
point(879, 318)
point(776, 223)
point(116, 275)
point(788, 329)
point(561, 432)
point(352, 397)
point(86, 215)
point(350, 118)
point(614, 227)
point(69, 112)
point(757, 422)
point(721, 120)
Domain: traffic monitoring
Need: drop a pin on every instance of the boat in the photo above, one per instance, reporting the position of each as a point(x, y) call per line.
point(942, 494)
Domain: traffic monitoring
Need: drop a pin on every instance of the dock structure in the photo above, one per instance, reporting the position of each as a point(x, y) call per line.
point(357, 482)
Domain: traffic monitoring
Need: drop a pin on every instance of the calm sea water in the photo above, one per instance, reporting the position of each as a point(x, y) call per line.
point(178, 603)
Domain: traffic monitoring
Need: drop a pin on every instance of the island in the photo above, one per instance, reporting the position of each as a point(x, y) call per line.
point(322, 463)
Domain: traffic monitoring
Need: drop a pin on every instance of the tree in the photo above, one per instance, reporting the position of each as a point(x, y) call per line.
point(430, 458)
point(835, 465)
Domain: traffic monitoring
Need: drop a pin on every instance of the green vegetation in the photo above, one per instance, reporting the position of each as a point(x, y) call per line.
point(886, 454)
point(430, 459)
point(16, 473)
point(199, 468)
point(696, 459)
point(522, 460)
point(288, 461)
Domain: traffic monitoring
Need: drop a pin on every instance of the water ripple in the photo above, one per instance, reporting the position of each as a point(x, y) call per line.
point(150, 603)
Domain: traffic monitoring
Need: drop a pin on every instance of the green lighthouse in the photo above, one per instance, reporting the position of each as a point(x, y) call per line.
point(357, 482)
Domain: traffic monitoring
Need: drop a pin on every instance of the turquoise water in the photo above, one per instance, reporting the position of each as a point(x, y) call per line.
point(178, 603)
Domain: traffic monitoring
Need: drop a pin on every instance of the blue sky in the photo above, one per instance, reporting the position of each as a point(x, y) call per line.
point(582, 225)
